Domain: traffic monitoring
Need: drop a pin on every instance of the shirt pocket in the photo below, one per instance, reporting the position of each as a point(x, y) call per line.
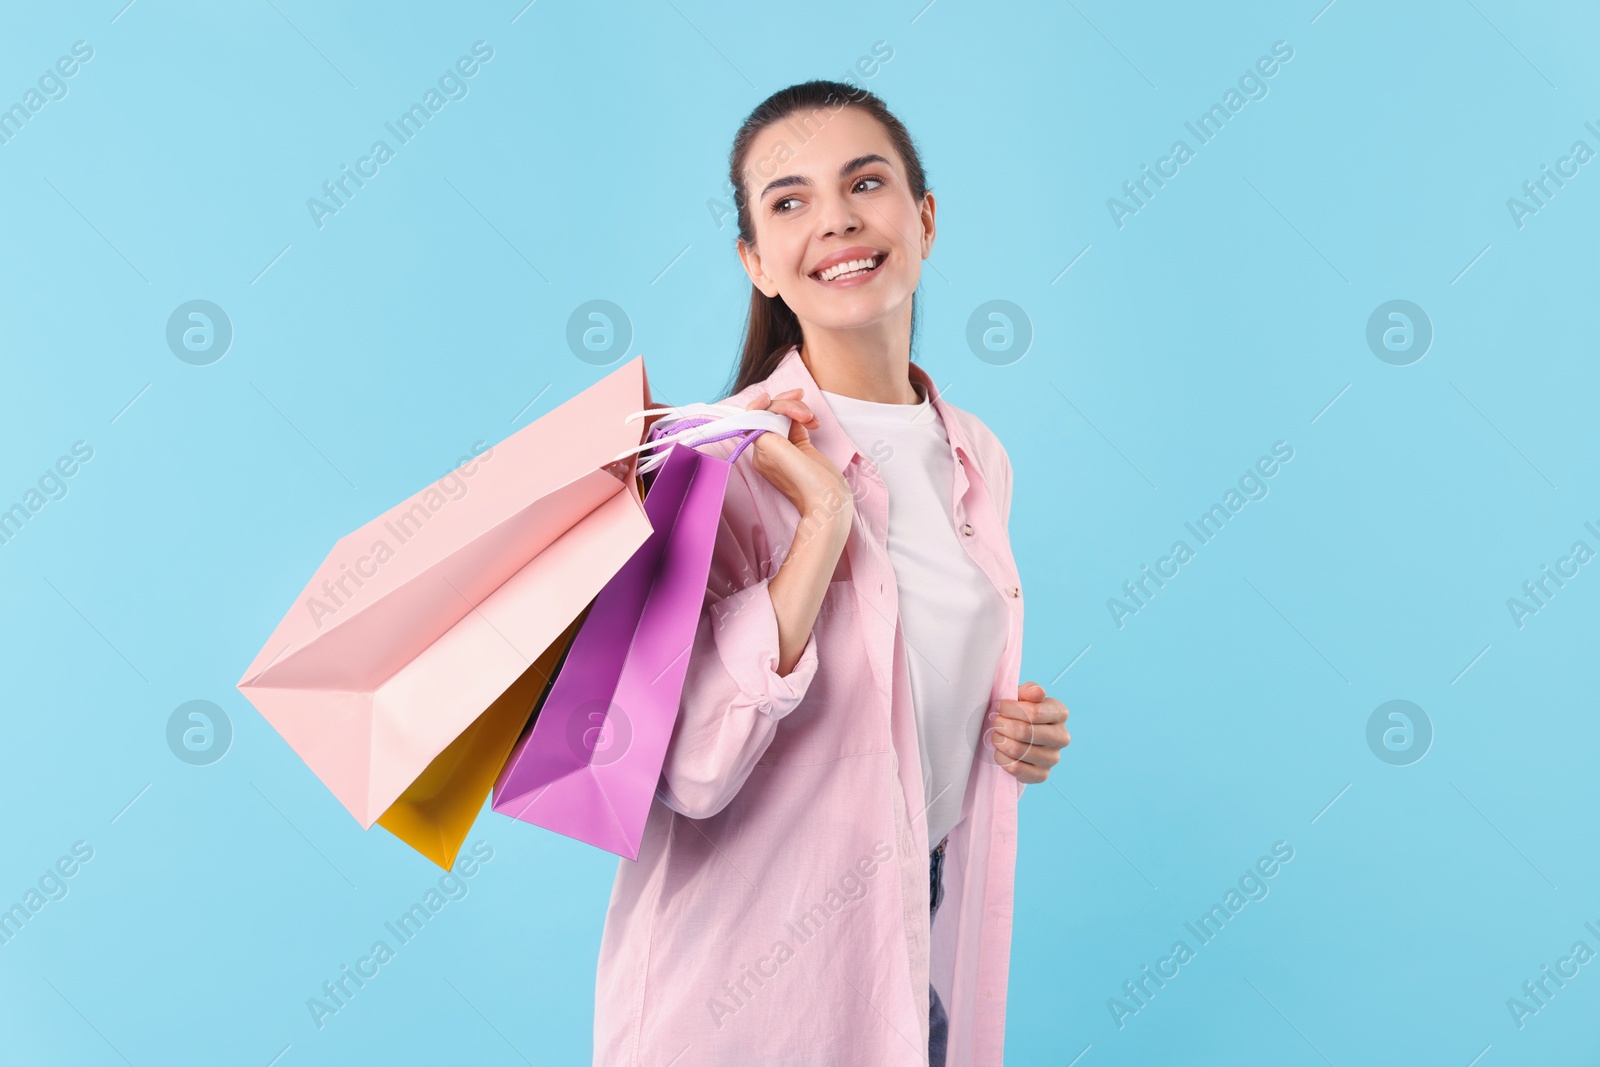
point(840, 714)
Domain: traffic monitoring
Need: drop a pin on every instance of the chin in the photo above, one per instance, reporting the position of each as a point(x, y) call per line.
point(835, 319)
point(852, 310)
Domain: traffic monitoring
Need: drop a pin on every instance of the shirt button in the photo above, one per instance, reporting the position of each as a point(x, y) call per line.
point(966, 528)
point(1013, 591)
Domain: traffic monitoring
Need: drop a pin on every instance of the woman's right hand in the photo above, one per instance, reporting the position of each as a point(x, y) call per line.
point(794, 466)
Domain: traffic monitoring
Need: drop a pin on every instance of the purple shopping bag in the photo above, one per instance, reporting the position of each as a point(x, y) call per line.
point(589, 766)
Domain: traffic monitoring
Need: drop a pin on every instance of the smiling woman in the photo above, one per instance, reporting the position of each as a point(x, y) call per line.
point(851, 697)
point(882, 178)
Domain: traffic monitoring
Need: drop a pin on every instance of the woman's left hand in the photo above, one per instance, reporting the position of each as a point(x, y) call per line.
point(1029, 733)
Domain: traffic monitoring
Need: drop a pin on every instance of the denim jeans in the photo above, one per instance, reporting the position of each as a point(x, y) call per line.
point(938, 1021)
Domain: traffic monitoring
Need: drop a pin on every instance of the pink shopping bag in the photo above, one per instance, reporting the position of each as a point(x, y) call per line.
point(589, 765)
point(421, 621)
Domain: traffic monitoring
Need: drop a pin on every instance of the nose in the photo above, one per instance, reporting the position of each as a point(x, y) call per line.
point(839, 215)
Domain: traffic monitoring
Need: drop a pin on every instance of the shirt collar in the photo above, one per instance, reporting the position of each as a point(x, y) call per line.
point(830, 437)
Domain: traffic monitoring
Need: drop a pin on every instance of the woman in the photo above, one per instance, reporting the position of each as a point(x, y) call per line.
point(851, 723)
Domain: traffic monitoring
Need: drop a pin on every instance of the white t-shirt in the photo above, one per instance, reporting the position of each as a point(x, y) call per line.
point(952, 618)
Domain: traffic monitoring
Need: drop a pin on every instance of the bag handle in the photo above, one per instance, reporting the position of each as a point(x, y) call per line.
point(698, 424)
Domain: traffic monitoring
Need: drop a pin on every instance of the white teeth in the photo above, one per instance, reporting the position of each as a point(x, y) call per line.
point(853, 266)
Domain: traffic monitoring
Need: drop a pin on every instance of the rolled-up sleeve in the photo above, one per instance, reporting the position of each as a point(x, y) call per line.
point(744, 630)
point(733, 696)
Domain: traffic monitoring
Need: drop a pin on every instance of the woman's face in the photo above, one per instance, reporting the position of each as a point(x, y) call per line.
point(841, 191)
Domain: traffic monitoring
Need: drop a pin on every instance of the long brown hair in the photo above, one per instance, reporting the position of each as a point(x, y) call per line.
point(772, 329)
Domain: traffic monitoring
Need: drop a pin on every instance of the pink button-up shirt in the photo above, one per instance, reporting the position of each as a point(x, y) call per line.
point(778, 911)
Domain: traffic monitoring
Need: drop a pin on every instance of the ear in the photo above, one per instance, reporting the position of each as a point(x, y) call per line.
point(929, 229)
point(752, 266)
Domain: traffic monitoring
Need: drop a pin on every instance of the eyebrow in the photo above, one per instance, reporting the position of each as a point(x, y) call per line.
point(795, 179)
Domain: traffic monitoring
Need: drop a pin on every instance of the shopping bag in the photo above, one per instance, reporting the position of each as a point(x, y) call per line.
point(436, 812)
point(588, 766)
point(443, 609)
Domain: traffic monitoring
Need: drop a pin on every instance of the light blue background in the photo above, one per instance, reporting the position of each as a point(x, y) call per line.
point(585, 163)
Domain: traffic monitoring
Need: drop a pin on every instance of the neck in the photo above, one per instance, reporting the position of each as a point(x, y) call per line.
point(864, 370)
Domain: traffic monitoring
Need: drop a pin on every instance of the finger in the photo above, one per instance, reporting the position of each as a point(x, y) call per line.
point(1022, 710)
point(1047, 710)
point(794, 409)
point(1036, 755)
point(1050, 710)
point(785, 404)
point(760, 399)
point(1019, 733)
point(789, 403)
point(1051, 735)
point(1026, 773)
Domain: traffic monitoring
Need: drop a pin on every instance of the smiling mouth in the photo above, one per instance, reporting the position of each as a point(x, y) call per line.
point(857, 268)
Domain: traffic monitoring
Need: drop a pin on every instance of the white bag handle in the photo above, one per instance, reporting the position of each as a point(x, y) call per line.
point(725, 419)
